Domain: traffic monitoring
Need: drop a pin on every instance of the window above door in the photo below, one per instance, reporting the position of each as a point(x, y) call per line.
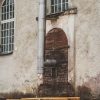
point(58, 6)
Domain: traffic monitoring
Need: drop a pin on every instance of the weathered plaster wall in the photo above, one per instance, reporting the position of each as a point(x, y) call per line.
point(87, 36)
point(18, 70)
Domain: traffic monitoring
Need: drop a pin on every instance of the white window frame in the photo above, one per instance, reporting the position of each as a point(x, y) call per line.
point(7, 34)
point(55, 6)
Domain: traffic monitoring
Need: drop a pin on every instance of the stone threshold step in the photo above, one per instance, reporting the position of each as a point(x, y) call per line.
point(53, 98)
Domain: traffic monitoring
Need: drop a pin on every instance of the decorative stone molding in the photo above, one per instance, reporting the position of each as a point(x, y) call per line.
point(56, 15)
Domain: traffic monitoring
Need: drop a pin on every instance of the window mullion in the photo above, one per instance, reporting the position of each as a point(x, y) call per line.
point(57, 5)
point(9, 9)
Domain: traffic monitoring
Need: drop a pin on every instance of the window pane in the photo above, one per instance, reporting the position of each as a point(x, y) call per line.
point(7, 2)
point(11, 8)
point(7, 34)
point(66, 6)
point(11, 1)
point(12, 32)
point(4, 17)
point(56, 1)
point(10, 25)
point(13, 24)
point(12, 39)
point(4, 9)
point(7, 8)
point(7, 25)
point(7, 15)
point(52, 9)
point(1, 48)
point(59, 1)
point(63, 1)
point(4, 26)
point(9, 47)
point(7, 40)
point(66, 0)
point(11, 14)
point(63, 7)
point(12, 46)
point(59, 7)
point(1, 41)
point(52, 2)
point(5, 47)
point(55, 8)
point(1, 34)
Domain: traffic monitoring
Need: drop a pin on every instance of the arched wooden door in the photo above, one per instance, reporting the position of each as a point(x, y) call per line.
point(55, 75)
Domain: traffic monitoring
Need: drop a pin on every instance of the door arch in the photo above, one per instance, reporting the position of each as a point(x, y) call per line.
point(56, 62)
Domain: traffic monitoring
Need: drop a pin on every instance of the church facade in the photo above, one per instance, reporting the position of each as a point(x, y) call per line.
point(72, 45)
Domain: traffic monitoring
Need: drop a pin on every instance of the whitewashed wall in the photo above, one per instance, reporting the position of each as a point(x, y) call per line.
point(18, 70)
point(87, 29)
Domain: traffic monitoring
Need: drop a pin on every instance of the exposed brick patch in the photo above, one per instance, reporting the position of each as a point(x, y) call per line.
point(55, 77)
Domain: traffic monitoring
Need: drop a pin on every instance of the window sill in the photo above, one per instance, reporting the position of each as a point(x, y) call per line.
point(5, 54)
point(56, 15)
